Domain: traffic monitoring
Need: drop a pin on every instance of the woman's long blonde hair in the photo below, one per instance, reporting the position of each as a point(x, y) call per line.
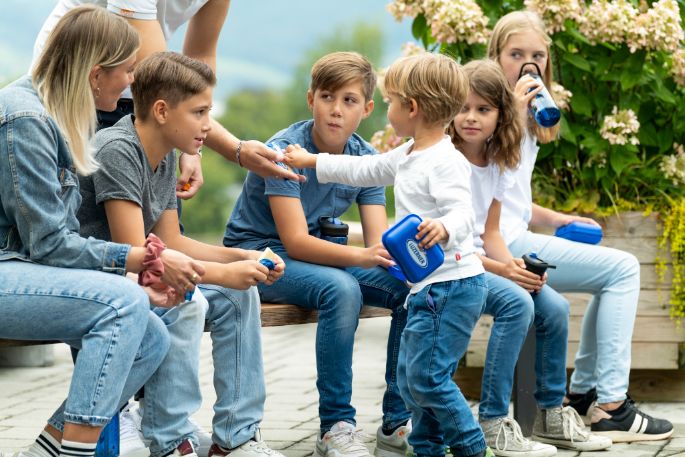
point(518, 22)
point(85, 37)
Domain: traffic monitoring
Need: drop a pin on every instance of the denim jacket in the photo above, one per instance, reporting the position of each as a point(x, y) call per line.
point(39, 193)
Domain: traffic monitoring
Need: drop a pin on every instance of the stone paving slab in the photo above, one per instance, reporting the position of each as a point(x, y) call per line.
point(29, 395)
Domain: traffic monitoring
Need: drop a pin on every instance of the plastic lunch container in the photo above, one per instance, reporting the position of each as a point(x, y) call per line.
point(415, 263)
point(581, 232)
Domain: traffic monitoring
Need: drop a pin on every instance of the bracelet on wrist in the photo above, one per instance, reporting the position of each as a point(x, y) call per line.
point(237, 153)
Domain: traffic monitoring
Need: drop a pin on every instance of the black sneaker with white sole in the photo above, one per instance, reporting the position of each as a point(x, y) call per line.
point(627, 424)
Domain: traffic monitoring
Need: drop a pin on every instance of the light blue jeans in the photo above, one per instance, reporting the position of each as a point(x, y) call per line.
point(613, 277)
point(440, 320)
point(338, 294)
point(104, 315)
point(173, 394)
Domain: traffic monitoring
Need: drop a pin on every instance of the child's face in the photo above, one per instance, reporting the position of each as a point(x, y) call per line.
point(520, 48)
point(477, 120)
point(398, 115)
point(109, 84)
point(337, 114)
point(188, 122)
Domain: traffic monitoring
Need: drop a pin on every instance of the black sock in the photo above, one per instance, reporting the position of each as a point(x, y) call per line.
point(390, 431)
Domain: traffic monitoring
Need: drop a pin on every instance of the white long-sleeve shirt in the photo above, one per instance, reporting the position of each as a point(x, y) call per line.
point(432, 183)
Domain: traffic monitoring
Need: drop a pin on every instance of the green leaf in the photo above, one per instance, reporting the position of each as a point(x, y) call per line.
point(581, 104)
point(663, 93)
point(419, 26)
point(648, 135)
point(620, 158)
point(566, 132)
point(577, 61)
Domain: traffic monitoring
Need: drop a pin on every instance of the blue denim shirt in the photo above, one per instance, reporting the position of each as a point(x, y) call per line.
point(39, 193)
point(251, 225)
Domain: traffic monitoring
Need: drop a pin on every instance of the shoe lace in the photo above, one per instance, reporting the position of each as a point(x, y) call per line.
point(261, 447)
point(573, 424)
point(509, 430)
point(348, 440)
point(362, 436)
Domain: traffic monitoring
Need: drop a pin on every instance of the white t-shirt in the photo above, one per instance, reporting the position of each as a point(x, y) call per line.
point(171, 14)
point(432, 183)
point(517, 207)
point(487, 184)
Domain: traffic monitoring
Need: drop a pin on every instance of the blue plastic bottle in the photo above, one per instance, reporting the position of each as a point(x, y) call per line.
point(108, 444)
point(543, 108)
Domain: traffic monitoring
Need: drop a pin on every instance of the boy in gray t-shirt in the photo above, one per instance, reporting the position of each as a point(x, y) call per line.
point(132, 195)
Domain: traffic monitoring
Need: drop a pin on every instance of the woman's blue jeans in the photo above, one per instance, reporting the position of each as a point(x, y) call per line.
point(613, 277)
point(441, 318)
point(107, 317)
point(338, 295)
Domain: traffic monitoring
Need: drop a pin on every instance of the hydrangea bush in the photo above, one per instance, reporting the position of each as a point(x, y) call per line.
point(619, 67)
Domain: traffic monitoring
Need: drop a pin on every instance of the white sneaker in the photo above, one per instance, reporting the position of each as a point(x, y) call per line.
point(394, 445)
point(342, 440)
point(255, 447)
point(503, 435)
point(564, 428)
point(204, 439)
point(131, 443)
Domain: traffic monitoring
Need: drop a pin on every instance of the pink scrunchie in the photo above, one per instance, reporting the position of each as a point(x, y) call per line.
point(153, 268)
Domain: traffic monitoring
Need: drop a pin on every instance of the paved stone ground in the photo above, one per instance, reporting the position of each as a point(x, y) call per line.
point(29, 395)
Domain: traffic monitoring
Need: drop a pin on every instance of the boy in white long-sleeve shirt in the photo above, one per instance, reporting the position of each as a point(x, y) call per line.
point(431, 179)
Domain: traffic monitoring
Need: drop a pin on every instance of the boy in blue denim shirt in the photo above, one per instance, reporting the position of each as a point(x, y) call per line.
point(424, 93)
point(333, 278)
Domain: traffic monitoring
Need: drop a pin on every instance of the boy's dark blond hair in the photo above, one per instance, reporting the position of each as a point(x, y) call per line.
point(435, 81)
point(487, 80)
point(335, 70)
point(168, 76)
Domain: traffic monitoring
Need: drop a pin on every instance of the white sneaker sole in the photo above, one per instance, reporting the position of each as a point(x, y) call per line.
point(595, 445)
point(538, 453)
point(630, 437)
point(388, 453)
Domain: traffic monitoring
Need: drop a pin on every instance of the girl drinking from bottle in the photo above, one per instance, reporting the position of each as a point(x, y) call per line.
point(602, 364)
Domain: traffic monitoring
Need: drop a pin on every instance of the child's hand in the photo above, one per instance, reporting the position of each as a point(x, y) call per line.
point(516, 271)
point(243, 274)
point(375, 255)
point(190, 180)
point(565, 219)
point(278, 270)
point(180, 271)
point(431, 231)
point(298, 157)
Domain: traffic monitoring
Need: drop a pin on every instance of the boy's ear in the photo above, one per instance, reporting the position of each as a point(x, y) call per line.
point(368, 108)
point(413, 108)
point(310, 99)
point(160, 111)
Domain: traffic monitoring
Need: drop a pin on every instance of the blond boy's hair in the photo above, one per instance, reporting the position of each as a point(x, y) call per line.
point(335, 70)
point(168, 76)
point(512, 24)
point(85, 37)
point(435, 81)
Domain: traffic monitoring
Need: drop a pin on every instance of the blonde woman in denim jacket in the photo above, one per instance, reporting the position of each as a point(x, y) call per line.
point(55, 284)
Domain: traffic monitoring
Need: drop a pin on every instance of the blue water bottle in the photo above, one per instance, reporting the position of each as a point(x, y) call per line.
point(108, 444)
point(543, 108)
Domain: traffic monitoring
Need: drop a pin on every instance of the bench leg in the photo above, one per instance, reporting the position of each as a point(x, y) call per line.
point(525, 407)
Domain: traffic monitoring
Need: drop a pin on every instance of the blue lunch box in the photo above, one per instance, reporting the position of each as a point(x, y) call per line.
point(414, 262)
point(581, 232)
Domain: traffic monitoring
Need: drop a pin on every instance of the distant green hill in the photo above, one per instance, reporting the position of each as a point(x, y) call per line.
point(260, 45)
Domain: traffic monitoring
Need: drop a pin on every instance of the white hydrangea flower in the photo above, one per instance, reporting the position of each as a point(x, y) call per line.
point(608, 21)
point(405, 8)
point(555, 12)
point(673, 166)
point(657, 29)
point(678, 67)
point(620, 127)
point(453, 21)
point(560, 95)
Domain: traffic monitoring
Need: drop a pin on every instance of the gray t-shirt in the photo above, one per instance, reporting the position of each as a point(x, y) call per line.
point(125, 174)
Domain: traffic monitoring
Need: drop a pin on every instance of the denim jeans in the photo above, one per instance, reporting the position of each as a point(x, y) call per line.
point(613, 277)
point(440, 320)
point(106, 316)
point(338, 295)
point(173, 393)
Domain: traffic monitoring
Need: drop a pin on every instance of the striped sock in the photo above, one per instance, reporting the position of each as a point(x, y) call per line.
point(44, 446)
point(76, 449)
